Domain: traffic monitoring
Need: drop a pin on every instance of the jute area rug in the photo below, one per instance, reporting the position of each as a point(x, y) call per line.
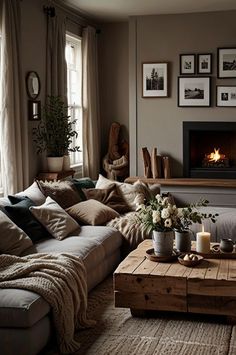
point(117, 332)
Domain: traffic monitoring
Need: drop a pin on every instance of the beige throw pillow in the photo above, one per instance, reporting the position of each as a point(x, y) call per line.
point(57, 221)
point(92, 212)
point(133, 195)
point(13, 240)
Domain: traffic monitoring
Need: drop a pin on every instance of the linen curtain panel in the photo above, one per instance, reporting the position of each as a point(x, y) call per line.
point(13, 122)
point(91, 120)
point(56, 72)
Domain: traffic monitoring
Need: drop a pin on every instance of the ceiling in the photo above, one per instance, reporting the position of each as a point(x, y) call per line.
point(120, 10)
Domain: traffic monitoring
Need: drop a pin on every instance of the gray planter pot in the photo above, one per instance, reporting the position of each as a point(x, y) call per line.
point(163, 243)
point(183, 241)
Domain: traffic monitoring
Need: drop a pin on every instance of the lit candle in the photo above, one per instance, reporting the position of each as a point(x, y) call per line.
point(203, 241)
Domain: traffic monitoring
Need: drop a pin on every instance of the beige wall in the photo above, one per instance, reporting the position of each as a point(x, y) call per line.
point(113, 78)
point(162, 38)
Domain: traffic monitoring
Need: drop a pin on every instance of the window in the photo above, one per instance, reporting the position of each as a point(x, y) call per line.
point(74, 92)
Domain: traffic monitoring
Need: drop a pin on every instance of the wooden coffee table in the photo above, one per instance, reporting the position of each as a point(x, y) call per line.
point(141, 284)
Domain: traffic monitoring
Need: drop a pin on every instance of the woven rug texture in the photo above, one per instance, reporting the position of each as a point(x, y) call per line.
point(167, 333)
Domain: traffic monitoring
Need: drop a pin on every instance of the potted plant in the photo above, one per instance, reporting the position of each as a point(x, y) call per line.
point(161, 216)
point(54, 133)
point(185, 218)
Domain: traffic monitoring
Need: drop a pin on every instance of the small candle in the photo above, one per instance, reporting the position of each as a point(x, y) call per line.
point(203, 242)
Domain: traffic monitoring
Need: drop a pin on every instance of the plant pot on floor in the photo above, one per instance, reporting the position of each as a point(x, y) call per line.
point(163, 243)
point(55, 164)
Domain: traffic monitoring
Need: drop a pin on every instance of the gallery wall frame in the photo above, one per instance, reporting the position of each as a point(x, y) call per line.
point(154, 79)
point(187, 64)
point(204, 63)
point(226, 96)
point(194, 91)
point(226, 62)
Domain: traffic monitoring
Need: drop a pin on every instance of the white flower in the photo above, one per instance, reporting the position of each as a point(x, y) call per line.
point(165, 213)
point(156, 216)
point(168, 223)
point(180, 212)
point(165, 201)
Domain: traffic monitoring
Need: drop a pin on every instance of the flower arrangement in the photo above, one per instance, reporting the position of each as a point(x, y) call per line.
point(161, 214)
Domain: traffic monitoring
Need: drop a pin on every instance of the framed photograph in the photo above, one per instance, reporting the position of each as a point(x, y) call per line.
point(187, 64)
point(204, 63)
point(226, 96)
point(194, 91)
point(226, 62)
point(155, 80)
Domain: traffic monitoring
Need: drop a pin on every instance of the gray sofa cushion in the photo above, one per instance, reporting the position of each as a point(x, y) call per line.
point(21, 308)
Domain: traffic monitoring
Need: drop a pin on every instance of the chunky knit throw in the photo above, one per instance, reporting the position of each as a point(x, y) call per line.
point(61, 280)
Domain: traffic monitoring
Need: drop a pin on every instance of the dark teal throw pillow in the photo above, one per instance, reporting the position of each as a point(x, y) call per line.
point(83, 183)
point(20, 214)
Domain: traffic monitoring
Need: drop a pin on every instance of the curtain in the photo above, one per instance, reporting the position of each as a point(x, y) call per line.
point(13, 121)
point(91, 120)
point(56, 75)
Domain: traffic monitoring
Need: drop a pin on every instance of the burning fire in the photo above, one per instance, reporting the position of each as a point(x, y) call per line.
point(215, 156)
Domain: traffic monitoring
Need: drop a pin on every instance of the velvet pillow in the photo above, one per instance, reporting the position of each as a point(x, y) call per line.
point(81, 184)
point(52, 216)
point(109, 197)
point(20, 214)
point(92, 212)
point(13, 240)
point(63, 192)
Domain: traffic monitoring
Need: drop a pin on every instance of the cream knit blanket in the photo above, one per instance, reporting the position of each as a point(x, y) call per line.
point(61, 280)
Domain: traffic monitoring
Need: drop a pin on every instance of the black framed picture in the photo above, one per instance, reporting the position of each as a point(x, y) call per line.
point(226, 96)
point(194, 91)
point(155, 79)
point(226, 62)
point(204, 63)
point(187, 64)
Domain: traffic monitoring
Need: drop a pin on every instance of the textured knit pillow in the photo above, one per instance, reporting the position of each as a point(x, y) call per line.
point(13, 240)
point(20, 214)
point(92, 212)
point(109, 197)
point(52, 216)
point(63, 192)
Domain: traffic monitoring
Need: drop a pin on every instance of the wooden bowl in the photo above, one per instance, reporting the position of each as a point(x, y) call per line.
point(190, 263)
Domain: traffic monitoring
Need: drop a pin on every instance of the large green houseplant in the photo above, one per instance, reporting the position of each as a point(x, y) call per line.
point(55, 132)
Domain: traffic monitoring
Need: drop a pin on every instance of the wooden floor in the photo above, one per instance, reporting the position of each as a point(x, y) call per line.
point(141, 284)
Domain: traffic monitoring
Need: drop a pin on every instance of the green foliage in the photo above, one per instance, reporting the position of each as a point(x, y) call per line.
point(55, 132)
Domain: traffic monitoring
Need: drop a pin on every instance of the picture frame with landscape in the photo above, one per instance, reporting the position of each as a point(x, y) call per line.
point(187, 64)
point(204, 63)
point(194, 91)
point(226, 63)
point(226, 96)
point(155, 79)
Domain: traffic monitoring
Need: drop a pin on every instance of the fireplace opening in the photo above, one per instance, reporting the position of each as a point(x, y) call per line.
point(209, 149)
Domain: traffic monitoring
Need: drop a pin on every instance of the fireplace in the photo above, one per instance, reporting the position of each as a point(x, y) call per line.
point(209, 150)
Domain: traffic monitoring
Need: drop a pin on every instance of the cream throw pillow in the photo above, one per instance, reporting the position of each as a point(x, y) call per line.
point(133, 195)
point(13, 240)
point(92, 212)
point(58, 223)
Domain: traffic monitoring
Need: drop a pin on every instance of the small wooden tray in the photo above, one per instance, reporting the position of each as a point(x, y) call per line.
point(215, 253)
point(190, 263)
point(161, 259)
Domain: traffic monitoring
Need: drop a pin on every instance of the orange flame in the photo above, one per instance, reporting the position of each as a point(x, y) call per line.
point(215, 156)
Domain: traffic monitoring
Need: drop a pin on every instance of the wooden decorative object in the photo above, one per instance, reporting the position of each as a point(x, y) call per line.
point(154, 167)
point(166, 167)
point(147, 163)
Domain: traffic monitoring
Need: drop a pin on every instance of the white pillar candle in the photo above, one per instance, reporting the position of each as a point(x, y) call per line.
point(203, 242)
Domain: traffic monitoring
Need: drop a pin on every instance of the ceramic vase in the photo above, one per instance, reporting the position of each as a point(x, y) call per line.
point(183, 241)
point(163, 243)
